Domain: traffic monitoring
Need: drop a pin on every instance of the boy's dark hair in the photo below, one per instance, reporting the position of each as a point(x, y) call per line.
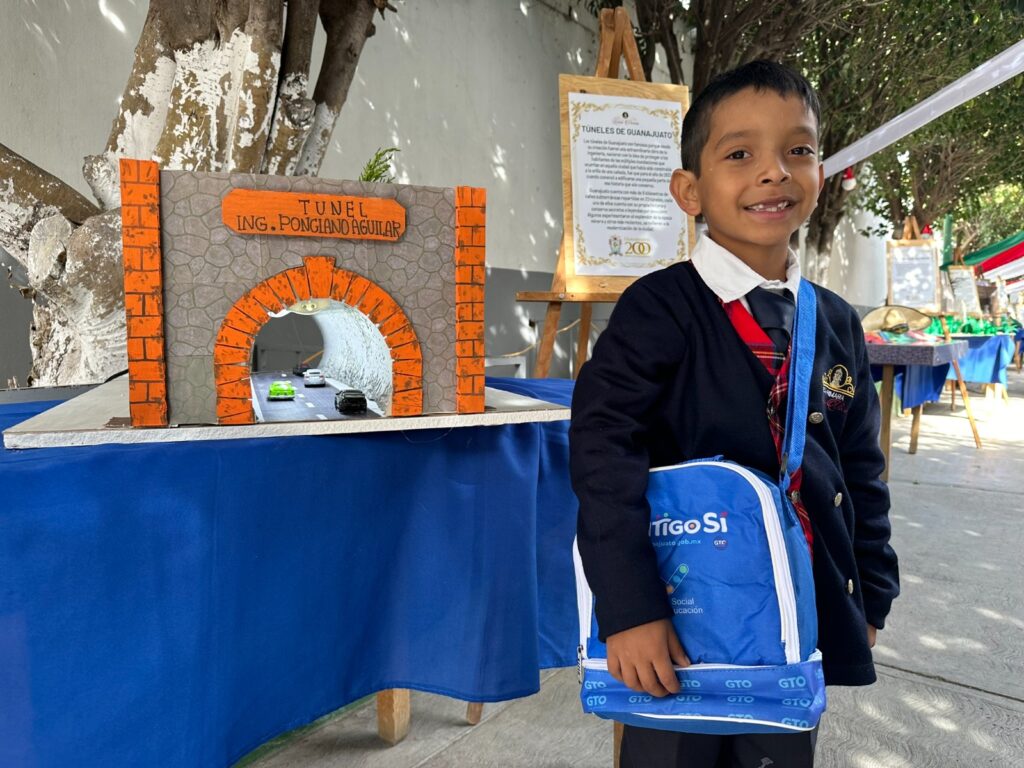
point(761, 76)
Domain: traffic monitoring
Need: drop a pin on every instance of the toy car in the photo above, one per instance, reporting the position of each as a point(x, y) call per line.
point(350, 401)
point(281, 390)
point(314, 377)
point(300, 369)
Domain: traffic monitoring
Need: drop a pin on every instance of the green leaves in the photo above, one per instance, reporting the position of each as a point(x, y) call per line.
point(378, 167)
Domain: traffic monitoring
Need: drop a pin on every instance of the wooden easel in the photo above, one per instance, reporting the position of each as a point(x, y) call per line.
point(616, 42)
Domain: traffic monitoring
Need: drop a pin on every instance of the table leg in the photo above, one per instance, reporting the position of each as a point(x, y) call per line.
point(885, 433)
point(474, 711)
point(393, 710)
point(952, 395)
point(583, 337)
point(616, 743)
point(967, 402)
point(915, 427)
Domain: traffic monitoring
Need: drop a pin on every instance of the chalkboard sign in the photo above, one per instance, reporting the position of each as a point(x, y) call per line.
point(965, 291)
point(913, 274)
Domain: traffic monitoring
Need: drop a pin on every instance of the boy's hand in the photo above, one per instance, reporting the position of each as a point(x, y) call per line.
point(642, 657)
point(872, 633)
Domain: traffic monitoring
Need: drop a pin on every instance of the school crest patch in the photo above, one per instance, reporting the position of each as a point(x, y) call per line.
point(838, 388)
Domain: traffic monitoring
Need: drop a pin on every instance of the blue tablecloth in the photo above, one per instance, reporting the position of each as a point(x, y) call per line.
point(987, 359)
point(177, 605)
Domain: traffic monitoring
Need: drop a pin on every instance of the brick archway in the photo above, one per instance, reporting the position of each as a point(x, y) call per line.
point(318, 279)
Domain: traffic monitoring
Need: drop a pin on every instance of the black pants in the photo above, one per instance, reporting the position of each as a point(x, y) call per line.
point(648, 748)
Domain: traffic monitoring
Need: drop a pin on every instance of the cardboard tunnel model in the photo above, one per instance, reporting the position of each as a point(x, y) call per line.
point(210, 258)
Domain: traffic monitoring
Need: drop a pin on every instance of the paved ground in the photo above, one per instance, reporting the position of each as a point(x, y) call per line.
point(951, 661)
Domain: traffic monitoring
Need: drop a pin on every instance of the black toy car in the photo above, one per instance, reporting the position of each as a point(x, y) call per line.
point(350, 401)
point(300, 368)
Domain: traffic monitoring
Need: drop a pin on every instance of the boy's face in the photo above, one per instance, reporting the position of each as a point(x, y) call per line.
point(759, 174)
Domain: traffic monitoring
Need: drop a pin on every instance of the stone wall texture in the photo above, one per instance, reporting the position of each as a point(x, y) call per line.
point(208, 267)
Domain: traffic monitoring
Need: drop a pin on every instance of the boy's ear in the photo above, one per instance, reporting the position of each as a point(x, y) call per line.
point(684, 189)
point(821, 177)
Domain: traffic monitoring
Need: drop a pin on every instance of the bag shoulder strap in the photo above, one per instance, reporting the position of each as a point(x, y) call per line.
point(800, 371)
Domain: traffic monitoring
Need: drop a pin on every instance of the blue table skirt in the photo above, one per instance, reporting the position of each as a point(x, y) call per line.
point(916, 384)
point(178, 605)
point(986, 360)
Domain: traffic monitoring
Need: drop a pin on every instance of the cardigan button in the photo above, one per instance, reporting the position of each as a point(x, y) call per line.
point(849, 586)
point(794, 496)
point(837, 500)
point(816, 418)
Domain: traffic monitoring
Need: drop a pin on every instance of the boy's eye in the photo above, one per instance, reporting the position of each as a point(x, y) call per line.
point(803, 151)
point(739, 154)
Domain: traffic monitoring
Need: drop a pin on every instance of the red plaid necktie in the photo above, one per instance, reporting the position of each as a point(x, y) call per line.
point(777, 364)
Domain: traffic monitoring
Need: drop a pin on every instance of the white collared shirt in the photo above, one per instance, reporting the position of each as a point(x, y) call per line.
point(730, 278)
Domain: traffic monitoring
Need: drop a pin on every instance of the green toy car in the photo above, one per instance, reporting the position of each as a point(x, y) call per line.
point(281, 390)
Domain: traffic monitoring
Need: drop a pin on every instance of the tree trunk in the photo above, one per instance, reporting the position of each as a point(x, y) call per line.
point(348, 24)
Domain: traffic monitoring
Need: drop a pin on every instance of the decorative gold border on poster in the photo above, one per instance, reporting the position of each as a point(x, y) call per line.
point(891, 245)
point(603, 86)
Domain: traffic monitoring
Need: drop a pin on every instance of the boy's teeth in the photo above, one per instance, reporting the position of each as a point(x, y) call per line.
point(776, 207)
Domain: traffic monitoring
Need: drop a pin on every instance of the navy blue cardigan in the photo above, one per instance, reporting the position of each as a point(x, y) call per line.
point(671, 380)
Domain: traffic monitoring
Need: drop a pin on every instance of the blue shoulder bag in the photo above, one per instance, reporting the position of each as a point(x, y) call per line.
point(737, 571)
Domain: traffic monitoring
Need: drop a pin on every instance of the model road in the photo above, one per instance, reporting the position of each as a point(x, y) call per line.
point(310, 403)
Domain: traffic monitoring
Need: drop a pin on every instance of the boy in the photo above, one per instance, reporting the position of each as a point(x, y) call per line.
point(687, 368)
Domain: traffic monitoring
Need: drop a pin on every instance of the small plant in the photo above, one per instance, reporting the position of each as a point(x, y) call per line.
point(378, 167)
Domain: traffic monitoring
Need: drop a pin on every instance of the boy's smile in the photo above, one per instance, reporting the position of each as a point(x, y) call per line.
point(759, 177)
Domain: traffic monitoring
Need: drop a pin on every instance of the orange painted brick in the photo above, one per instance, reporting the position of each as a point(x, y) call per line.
point(356, 289)
point(470, 256)
point(469, 385)
point(157, 391)
point(134, 306)
point(479, 275)
point(138, 193)
point(297, 277)
point(136, 349)
point(404, 335)
point(280, 285)
point(467, 236)
point(463, 196)
point(137, 392)
point(479, 197)
point(469, 293)
point(407, 403)
point(479, 236)
point(225, 374)
point(238, 419)
point(223, 355)
point(469, 403)
point(253, 309)
point(129, 217)
point(232, 337)
point(342, 280)
point(320, 275)
point(393, 323)
point(266, 297)
point(149, 415)
point(151, 257)
point(139, 281)
point(469, 366)
point(154, 304)
point(373, 298)
point(145, 327)
point(232, 406)
point(240, 389)
point(140, 237)
point(469, 348)
point(401, 383)
point(149, 172)
point(407, 352)
point(387, 309)
point(239, 321)
point(132, 258)
point(147, 370)
point(470, 217)
point(469, 331)
point(149, 216)
point(464, 275)
point(408, 367)
point(129, 169)
point(154, 349)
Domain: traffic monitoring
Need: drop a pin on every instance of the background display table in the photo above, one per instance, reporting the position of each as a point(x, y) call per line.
point(931, 360)
point(179, 604)
point(987, 358)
